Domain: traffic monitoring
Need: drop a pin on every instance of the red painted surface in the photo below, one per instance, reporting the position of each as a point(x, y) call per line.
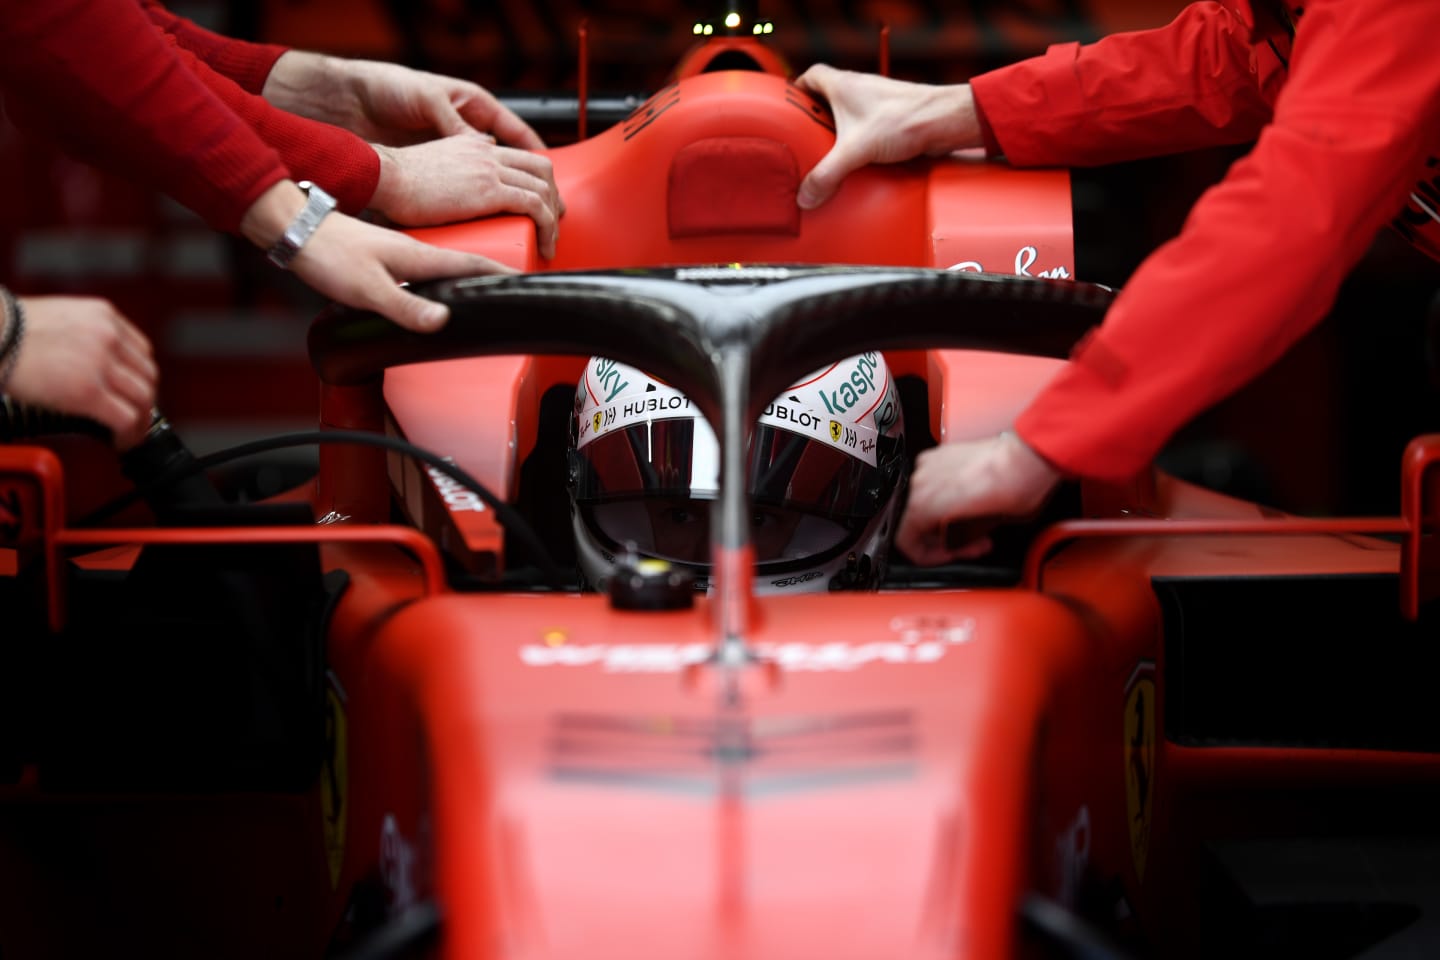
point(566, 780)
point(621, 193)
point(627, 832)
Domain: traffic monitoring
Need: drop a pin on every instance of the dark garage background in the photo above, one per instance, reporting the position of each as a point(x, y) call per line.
point(1321, 433)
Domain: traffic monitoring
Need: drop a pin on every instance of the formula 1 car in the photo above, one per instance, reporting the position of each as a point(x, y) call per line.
point(382, 714)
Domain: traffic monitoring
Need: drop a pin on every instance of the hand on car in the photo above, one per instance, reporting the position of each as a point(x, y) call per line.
point(360, 264)
point(880, 120)
point(388, 103)
point(398, 105)
point(80, 356)
point(995, 479)
point(465, 176)
point(449, 150)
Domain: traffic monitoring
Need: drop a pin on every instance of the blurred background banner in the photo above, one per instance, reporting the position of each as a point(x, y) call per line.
point(1322, 432)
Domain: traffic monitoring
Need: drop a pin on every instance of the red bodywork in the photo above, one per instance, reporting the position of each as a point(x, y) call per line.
point(567, 780)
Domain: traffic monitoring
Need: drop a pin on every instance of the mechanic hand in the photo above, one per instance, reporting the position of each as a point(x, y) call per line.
point(880, 120)
point(994, 479)
point(465, 176)
point(79, 356)
point(388, 103)
point(360, 264)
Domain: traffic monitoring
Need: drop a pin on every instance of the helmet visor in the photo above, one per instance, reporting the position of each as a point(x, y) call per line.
point(652, 484)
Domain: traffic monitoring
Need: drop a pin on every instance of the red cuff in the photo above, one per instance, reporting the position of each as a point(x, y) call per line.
point(247, 64)
point(987, 132)
point(341, 162)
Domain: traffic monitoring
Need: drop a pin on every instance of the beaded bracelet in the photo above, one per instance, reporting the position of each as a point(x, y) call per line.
point(10, 348)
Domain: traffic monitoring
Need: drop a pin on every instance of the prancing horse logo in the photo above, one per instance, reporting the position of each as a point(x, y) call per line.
point(1139, 747)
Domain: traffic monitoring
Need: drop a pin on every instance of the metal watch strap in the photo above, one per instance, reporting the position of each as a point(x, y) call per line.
point(318, 203)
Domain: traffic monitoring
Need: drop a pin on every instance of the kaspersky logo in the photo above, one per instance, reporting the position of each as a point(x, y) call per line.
point(842, 399)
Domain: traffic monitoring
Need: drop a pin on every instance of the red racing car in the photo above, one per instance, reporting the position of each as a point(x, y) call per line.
point(586, 639)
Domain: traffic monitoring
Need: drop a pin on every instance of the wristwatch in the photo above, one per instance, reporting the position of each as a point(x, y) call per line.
point(317, 204)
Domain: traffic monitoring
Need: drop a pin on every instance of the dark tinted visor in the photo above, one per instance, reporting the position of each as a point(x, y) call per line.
point(652, 484)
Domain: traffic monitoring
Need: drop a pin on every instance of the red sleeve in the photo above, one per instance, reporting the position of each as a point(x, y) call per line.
point(1262, 254)
point(100, 77)
point(248, 64)
point(341, 162)
point(1197, 82)
point(987, 132)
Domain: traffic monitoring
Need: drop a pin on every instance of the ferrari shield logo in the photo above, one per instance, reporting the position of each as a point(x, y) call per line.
point(595, 422)
point(1139, 747)
point(333, 786)
point(835, 430)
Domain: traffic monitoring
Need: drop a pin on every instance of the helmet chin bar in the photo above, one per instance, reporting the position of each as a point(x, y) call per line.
point(729, 337)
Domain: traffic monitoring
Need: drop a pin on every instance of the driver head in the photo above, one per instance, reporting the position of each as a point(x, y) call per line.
point(825, 471)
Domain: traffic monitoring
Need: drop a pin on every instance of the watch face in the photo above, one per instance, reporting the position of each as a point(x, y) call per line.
point(318, 204)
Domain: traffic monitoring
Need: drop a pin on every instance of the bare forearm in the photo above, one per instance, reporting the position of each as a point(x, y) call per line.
point(947, 121)
point(312, 85)
point(267, 218)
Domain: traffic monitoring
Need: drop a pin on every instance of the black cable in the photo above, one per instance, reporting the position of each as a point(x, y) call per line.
point(20, 422)
point(508, 517)
point(1278, 55)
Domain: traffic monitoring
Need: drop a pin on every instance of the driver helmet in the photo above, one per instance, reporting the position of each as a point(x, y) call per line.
point(826, 470)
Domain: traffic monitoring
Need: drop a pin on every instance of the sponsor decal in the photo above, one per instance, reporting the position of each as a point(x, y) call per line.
point(617, 658)
point(456, 495)
point(797, 580)
point(854, 439)
point(334, 776)
point(613, 398)
point(918, 641)
point(888, 413)
point(732, 273)
point(654, 405)
point(609, 380)
point(859, 383)
point(932, 629)
point(1025, 258)
point(1139, 749)
point(658, 403)
point(792, 415)
point(672, 658)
